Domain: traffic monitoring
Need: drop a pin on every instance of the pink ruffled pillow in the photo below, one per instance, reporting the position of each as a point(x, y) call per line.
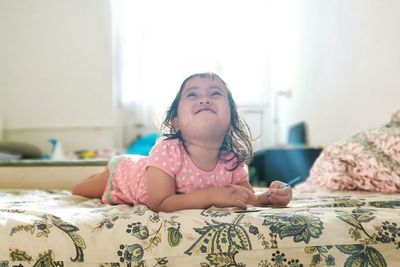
point(367, 161)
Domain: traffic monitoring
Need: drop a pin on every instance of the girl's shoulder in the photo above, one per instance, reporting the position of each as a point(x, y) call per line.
point(169, 146)
point(167, 155)
point(168, 143)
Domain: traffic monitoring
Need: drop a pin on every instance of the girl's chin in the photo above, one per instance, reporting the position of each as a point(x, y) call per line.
point(205, 133)
point(207, 128)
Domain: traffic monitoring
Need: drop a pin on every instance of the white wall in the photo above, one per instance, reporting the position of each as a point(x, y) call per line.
point(348, 67)
point(55, 72)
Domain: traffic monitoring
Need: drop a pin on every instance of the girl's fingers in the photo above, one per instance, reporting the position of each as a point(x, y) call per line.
point(250, 195)
point(241, 204)
point(281, 192)
point(247, 190)
point(253, 196)
point(242, 197)
point(276, 184)
point(281, 199)
point(241, 200)
point(245, 193)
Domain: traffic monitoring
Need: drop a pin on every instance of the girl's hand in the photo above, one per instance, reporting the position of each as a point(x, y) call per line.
point(232, 196)
point(280, 196)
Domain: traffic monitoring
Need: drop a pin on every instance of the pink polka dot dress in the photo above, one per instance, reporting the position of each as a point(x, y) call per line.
point(128, 184)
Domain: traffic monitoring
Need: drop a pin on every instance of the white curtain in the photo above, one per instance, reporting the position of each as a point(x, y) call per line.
point(158, 43)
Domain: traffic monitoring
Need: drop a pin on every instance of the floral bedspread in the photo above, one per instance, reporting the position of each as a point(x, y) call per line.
point(53, 228)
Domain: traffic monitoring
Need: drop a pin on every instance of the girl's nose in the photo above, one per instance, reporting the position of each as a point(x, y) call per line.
point(205, 101)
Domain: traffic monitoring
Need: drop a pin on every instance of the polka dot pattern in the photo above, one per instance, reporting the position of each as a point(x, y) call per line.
point(128, 176)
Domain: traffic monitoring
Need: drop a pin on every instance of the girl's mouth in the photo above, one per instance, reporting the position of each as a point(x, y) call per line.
point(204, 109)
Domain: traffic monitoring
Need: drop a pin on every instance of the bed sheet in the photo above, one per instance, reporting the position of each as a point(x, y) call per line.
point(54, 228)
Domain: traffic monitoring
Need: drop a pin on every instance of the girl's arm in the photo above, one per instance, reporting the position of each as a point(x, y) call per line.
point(92, 187)
point(261, 197)
point(280, 197)
point(163, 197)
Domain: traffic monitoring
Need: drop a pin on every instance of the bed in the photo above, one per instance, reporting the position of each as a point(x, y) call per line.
point(55, 228)
point(49, 227)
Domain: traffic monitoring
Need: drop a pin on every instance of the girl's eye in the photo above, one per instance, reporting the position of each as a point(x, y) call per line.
point(191, 94)
point(216, 93)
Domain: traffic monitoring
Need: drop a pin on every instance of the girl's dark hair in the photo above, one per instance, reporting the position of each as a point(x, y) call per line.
point(237, 141)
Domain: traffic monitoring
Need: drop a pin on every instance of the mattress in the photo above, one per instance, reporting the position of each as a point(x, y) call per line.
point(55, 228)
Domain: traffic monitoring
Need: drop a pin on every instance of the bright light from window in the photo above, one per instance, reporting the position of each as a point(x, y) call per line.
point(160, 43)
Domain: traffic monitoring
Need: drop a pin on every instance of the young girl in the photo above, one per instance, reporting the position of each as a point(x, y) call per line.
point(200, 162)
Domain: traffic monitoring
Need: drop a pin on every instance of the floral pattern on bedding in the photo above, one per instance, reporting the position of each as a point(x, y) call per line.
point(53, 228)
point(368, 160)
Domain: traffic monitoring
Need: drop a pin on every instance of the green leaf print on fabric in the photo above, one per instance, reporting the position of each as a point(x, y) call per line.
point(70, 230)
point(348, 202)
point(223, 259)
point(138, 230)
point(362, 255)
point(215, 213)
point(388, 232)
point(385, 204)
point(133, 253)
point(42, 229)
point(174, 236)
point(357, 217)
point(20, 255)
point(46, 260)
point(350, 249)
point(301, 227)
point(219, 238)
point(375, 258)
point(321, 253)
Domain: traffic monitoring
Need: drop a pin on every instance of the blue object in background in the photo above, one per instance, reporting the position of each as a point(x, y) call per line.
point(284, 163)
point(57, 152)
point(297, 135)
point(143, 144)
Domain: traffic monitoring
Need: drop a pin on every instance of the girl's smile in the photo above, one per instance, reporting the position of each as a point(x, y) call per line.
point(204, 108)
point(203, 111)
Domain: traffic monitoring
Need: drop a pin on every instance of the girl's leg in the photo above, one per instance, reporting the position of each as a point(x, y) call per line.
point(92, 187)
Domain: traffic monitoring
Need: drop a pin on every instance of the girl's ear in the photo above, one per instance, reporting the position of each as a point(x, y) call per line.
point(175, 124)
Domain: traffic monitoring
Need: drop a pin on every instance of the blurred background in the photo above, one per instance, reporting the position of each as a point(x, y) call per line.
point(95, 75)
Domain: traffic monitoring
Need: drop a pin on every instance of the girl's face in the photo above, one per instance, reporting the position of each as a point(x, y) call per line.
point(203, 109)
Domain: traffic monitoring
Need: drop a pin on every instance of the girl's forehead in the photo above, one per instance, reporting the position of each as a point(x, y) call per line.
point(205, 81)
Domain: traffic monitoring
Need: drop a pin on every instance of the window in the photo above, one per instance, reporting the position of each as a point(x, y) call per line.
point(159, 43)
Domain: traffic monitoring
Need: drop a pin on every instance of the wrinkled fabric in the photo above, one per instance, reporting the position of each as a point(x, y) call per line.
point(368, 160)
